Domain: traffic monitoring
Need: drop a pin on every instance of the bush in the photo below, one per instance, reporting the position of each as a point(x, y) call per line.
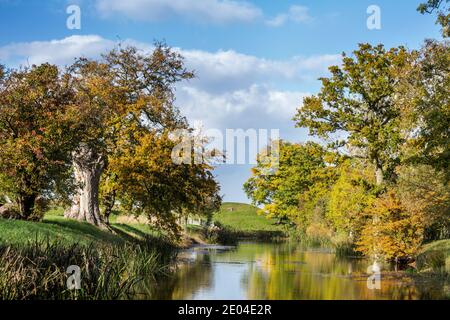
point(394, 233)
point(317, 235)
point(9, 211)
point(432, 261)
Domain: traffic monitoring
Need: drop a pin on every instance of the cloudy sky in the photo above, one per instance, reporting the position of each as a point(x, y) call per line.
point(254, 60)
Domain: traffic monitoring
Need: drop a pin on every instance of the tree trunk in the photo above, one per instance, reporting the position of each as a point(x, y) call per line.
point(379, 173)
point(88, 168)
point(26, 204)
point(109, 202)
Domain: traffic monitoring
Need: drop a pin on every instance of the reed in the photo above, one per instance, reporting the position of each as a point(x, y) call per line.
point(37, 271)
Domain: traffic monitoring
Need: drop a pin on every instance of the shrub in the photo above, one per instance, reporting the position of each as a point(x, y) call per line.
point(393, 233)
point(432, 260)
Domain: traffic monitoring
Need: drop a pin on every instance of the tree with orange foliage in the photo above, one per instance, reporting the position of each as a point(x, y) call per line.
point(394, 233)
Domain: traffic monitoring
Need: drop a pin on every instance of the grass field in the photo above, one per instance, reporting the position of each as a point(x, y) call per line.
point(246, 222)
point(55, 227)
point(240, 220)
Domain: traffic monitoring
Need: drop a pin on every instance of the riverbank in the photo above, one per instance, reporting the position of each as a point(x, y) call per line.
point(434, 258)
point(35, 257)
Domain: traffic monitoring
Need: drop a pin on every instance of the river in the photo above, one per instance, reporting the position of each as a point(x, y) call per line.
point(253, 271)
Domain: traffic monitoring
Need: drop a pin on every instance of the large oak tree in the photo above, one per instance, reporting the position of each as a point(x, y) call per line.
point(127, 106)
point(356, 106)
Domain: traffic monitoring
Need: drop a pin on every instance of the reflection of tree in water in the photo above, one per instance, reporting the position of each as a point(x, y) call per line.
point(295, 275)
point(183, 283)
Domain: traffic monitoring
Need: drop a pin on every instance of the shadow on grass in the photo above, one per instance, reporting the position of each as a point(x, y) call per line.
point(84, 229)
point(151, 238)
point(127, 229)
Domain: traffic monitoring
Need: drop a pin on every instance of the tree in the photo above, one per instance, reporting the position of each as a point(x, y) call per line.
point(395, 232)
point(424, 191)
point(99, 102)
point(37, 128)
point(127, 104)
point(443, 13)
point(280, 186)
point(352, 193)
point(425, 107)
point(149, 182)
point(358, 102)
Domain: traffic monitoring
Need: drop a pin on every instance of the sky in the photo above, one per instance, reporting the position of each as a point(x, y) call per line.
point(255, 61)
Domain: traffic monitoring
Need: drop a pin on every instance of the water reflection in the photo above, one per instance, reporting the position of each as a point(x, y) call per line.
point(284, 271)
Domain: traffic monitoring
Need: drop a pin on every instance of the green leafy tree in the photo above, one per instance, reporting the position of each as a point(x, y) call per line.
point(442, 9)
point(425, 107)
point(119, 97)
point(349, 197)
point(127, 103)
point(38, 125)
point(279, 186)
point(358, 103)
point(424, 191)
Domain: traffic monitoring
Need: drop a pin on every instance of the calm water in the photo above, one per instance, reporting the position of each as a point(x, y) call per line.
point(283, 271)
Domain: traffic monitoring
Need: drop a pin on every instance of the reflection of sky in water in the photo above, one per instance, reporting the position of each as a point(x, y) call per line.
point(227, 283)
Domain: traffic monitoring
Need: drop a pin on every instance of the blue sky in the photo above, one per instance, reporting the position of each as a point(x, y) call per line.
point(255, 60)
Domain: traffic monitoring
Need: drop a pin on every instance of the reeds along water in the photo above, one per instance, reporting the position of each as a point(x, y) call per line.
point(38, 271)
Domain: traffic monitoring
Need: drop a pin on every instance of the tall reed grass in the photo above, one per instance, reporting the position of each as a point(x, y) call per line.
point(38, 271)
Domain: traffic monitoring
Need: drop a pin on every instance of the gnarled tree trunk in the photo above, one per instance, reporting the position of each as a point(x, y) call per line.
point(26, 203)
point(88, 167)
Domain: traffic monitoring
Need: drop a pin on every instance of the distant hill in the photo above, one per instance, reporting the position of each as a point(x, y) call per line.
point(244, 218)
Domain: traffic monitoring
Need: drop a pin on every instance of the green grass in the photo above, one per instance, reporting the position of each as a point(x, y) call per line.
point(435, 257)
point(245, 220)
point(441, 245)
point(242, 221)
point(54, 227)
point(38, 271)
point(34, 257)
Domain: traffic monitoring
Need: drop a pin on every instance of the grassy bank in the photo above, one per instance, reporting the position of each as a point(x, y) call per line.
point(55, 227)
point(243, 221)
point(237, 221)
point(34, 257)
point(435, 257)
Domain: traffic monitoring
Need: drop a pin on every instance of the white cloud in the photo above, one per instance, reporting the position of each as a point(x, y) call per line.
point(296, 14)
point(59, 52)
point(220, 71)
point(257, 106)
point(215, 11)
point(233, 90)
point(230, 70)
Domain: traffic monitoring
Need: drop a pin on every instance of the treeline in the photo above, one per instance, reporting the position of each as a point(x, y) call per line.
point(379, 182)
point(96, 135)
